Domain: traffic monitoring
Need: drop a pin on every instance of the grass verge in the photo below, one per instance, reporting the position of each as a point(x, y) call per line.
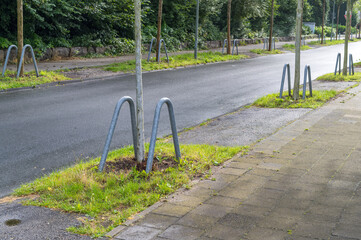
point(340, 78)
point(329, 43)
point(264, 51)
point(318, 99)
point(29, 80)
point(291, 47)
point(174, 62)
point(110, 198)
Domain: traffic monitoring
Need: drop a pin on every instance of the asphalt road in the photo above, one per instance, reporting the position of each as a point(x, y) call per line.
point(48, 128)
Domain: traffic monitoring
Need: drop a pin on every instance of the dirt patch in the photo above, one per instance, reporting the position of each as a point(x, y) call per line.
point(11, 199)
point(85, 73)
point(126, 164)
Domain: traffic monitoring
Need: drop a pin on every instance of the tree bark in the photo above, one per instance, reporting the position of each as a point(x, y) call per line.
point(271, 27)
point(347, 35)
point(138, 75)
point(338, 19)
point(20, 34)
point(160, 6)
point(323, 20)
point(296, 94)
point(229, 26)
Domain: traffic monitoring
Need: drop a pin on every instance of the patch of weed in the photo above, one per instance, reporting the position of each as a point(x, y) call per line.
point(317, 100)
point(264, 51)
point(340, 78)
point(30, 79)
point(111, 197)
point(291, 47)
point(181, 60)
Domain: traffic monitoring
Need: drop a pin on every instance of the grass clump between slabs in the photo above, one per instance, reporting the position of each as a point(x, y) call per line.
point(291, 47)
point(274, 101)
point(30, 79)
point(123, 189)
point(175, 61)
point(340, 78)
point(265, 51)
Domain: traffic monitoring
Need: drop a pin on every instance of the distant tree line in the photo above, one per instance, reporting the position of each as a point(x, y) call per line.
point(65, 23)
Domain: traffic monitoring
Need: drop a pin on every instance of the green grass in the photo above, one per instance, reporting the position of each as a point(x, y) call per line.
point(357, 64)
point(109, 199)
point(29, 79)
point(334, 42)
point(317, 100)
point(340, 78)
point(291, 47)
point(181, 60)
point(264, 51)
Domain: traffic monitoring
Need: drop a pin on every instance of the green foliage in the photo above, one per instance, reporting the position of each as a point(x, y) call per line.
point(174, 62)
point(317, 100)
point(114, 196)
point(340, 78)
point(4, 43)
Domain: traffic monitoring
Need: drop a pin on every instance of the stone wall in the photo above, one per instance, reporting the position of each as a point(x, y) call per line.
point(62, 52)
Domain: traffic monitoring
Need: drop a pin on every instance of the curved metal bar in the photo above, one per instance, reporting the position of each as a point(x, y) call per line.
point(22, 59)
point(274, 43)
point(338, 62)
point(307, 73)
point(153, 138)
point(351, 67)
point(286, 68)
point(265, 42)
point(112, 128)
point(7, 58)
point(150, 47)
point(165, 49)
point(235, 43)
point(224, 44)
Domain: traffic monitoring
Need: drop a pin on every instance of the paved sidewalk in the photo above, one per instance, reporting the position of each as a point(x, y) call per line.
point(301, 183)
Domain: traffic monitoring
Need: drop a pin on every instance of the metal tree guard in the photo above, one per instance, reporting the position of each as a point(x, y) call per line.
point(351, 68)
point(307, 74)
point(160, 45)
point(22, 59)
point(338, 63)
point(153, 138)
point(7, 58)
point(112, 128)
point(286, 68)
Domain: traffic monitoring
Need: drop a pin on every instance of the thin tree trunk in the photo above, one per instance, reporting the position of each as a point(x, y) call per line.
point(160, 6)
point(20, 33)
point(229, 26)
point(347, 35)
point(323, 19)
point(271, 27)
point(296, 94)
point(138, 75)
point(338, 18)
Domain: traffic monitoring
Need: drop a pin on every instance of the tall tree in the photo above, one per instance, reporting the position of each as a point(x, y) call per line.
point(296, 84)
point(229, 8)
point(271, 25)
point(160, 6)
point(138, 74)
point(20, 33)
point(347, 35)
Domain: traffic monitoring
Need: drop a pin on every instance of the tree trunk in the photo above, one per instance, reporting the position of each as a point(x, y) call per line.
point(20, 34)
point(338, 19)
point(296, 94)
point(160, 6)
point(323, 19)
point(271, 27)
point(347, 35)
point(229, 26)
point(138, 75)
